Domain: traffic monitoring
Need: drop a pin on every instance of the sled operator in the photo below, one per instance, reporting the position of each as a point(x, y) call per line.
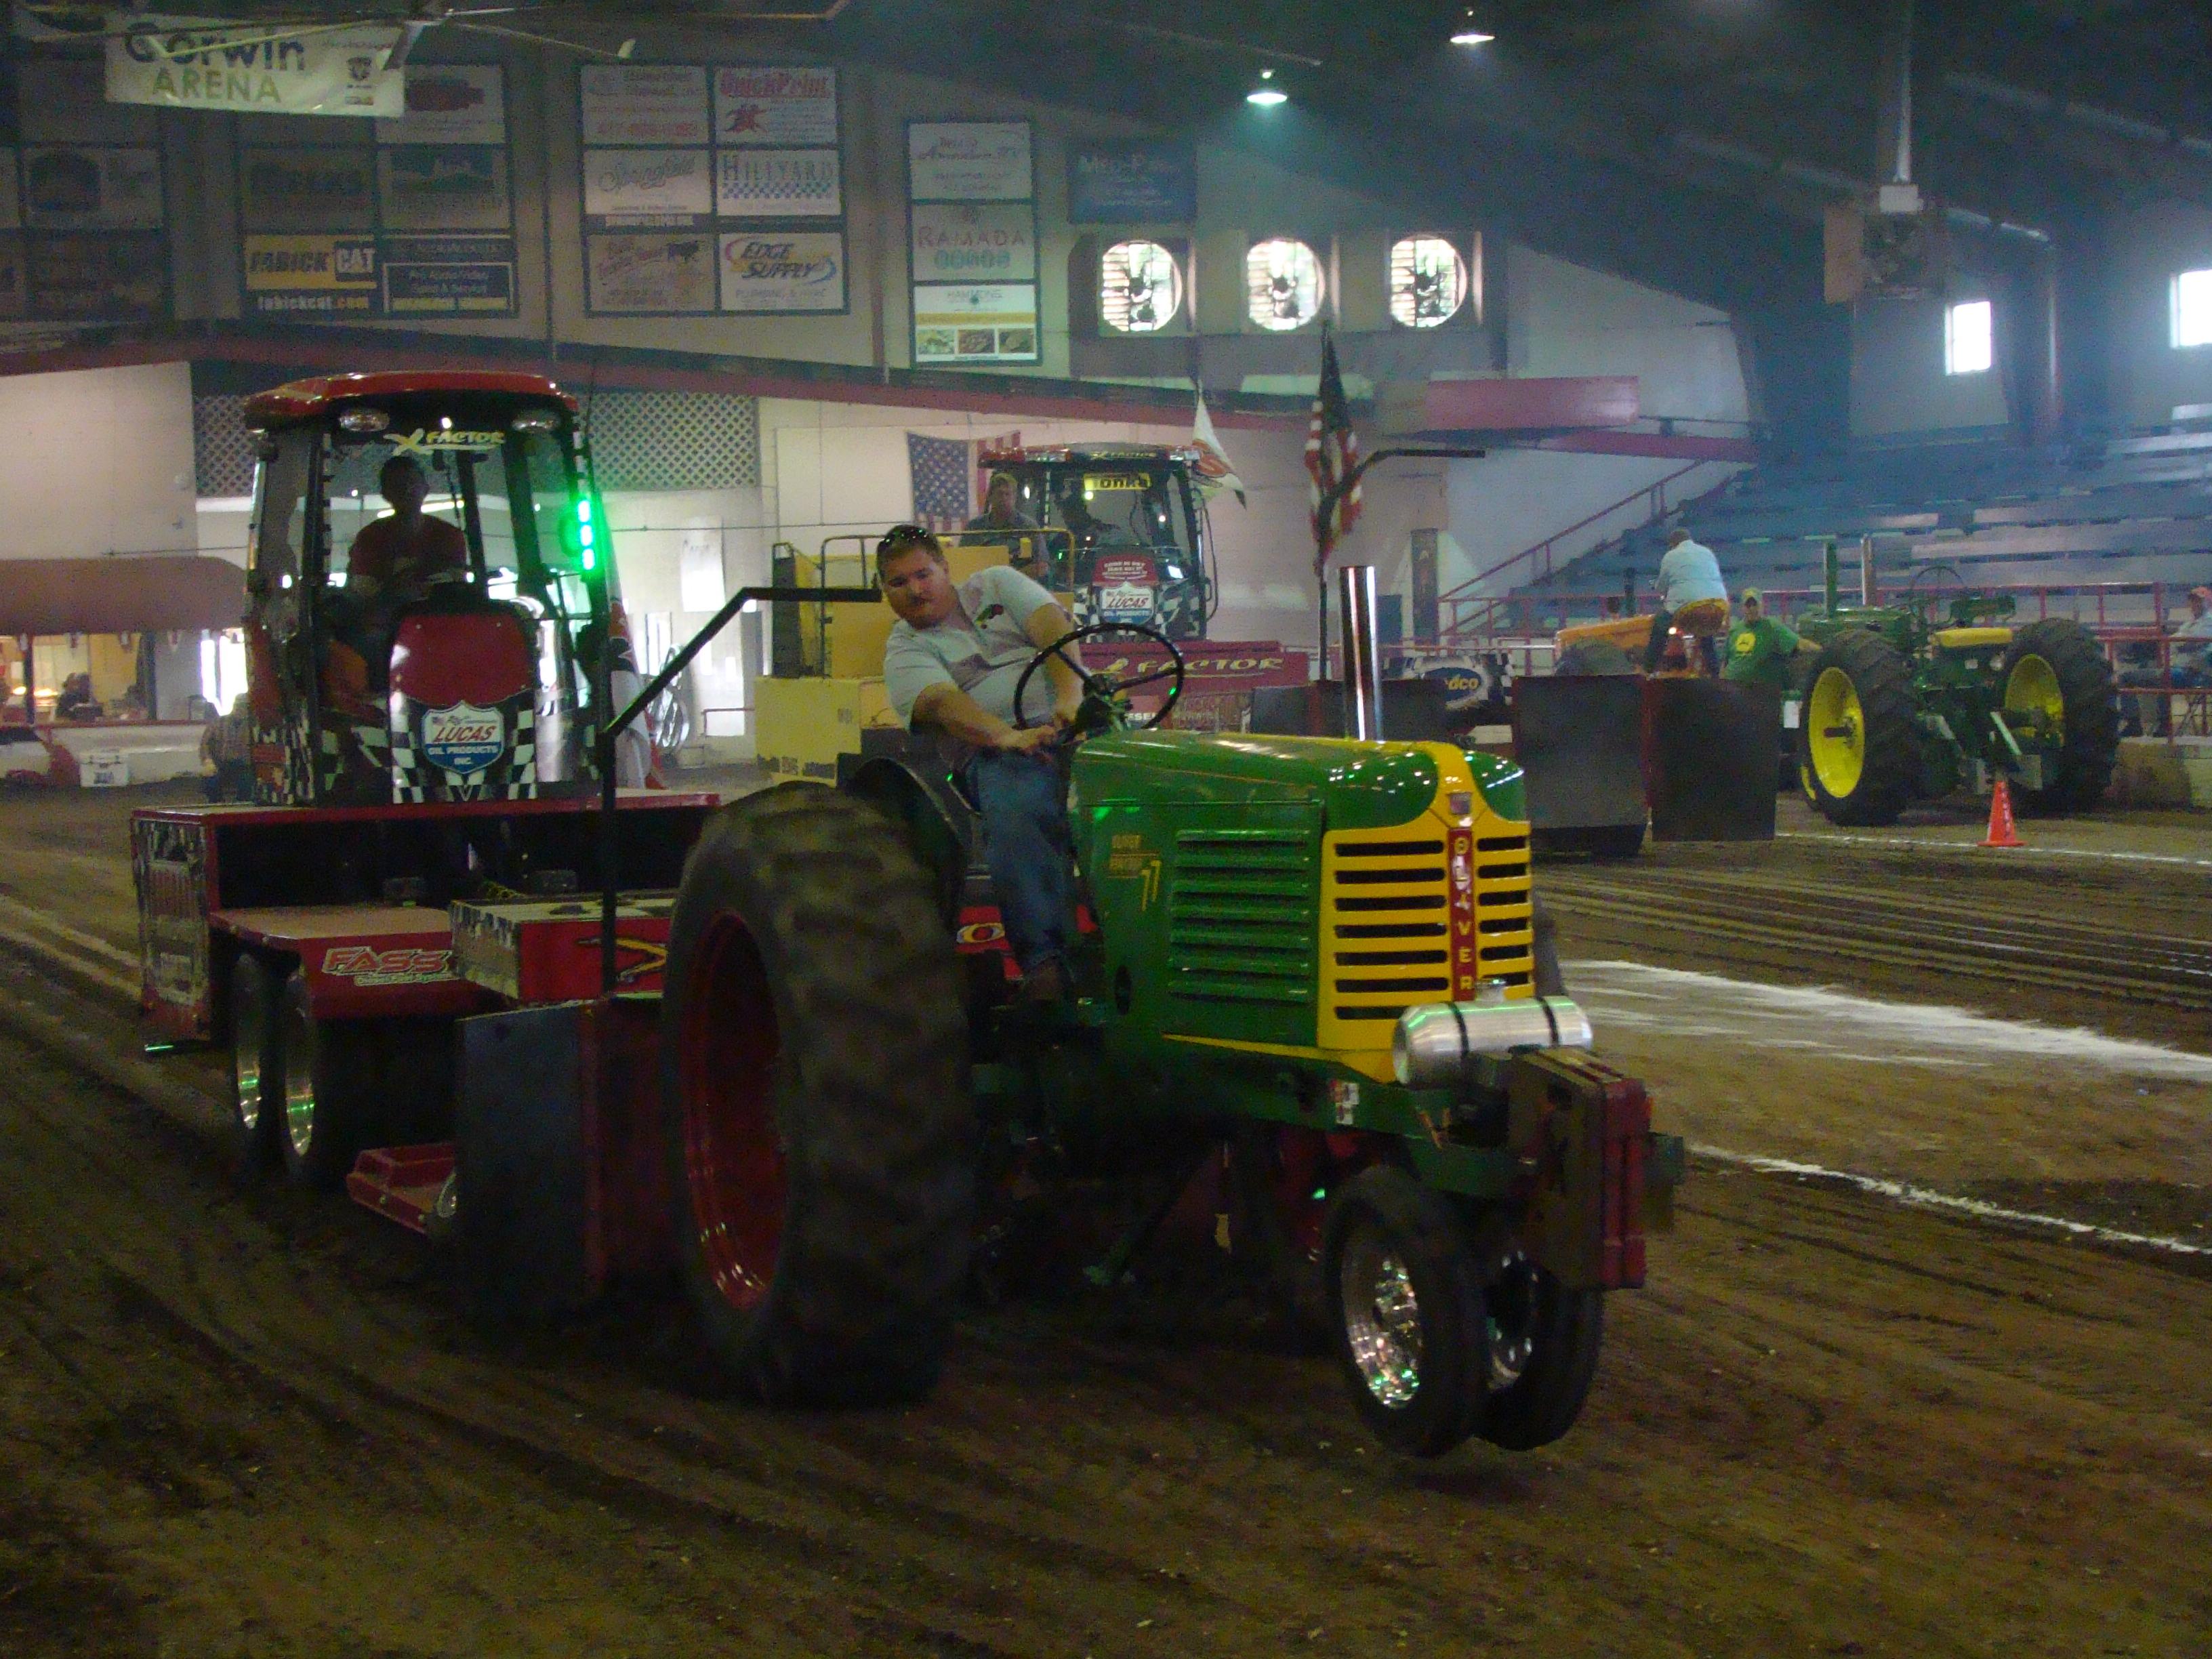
point(951, 666)
point(395, 558)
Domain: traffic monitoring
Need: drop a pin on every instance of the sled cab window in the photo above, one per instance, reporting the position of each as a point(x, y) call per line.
point(466, 533)
point(1109, 506)
point(278, 536)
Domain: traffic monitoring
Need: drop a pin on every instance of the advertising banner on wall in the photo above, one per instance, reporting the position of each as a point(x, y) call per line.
point(969, 160)
point(970, 323)
point(443, 188)
point(643, 104)
point(969, 241)
point(307, 189)
point(14, 280)
point(643, 275)
point(1131, 184)
point(99, 276)
point(86, 188)
point(450, 104)
point(783, 270)
point(245, 68)
point(776, 184)
point(770, 105)
point(311, 276)
point(671, 189)
point(449, 276)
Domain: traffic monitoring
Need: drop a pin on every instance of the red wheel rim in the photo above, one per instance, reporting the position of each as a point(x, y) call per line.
point(733, 1158)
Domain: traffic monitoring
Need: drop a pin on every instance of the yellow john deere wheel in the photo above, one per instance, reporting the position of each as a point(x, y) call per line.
point(1835, 734)
point(2033, 689)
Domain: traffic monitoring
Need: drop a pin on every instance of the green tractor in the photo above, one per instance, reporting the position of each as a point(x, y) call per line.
point(1309, 973)
point(1900, 704)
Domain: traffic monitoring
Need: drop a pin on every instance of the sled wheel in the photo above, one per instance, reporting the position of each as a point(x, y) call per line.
point(1858, 741)
point(256, 1096)
point(1405, 1309)
point(328, 1071)
point(2055, 675)
point(814, 1081)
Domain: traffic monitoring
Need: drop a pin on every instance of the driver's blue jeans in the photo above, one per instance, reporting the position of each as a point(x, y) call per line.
point(1022, 801)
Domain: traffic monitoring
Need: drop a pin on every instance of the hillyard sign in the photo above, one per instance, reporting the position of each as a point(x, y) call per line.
point(253, 68)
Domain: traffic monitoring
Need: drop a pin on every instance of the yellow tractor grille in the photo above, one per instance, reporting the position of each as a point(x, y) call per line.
point(1388, 939)
point(1241, 916)
point(1502, 932)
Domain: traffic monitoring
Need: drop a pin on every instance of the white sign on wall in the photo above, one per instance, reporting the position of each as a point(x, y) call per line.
point(785, 271)
point(643, 104)
point(971, 241)
point(975, 323)
point(762, 105)
point(647, 187)
point(969, 160)
point(244, 67)
point(450, 104)
point(772, 184)
point(699, 571)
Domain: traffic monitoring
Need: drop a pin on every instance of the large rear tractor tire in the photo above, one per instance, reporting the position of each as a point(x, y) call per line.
point(257, 1093)
point(1404, 1302)
point(1858, 745)
point(814, 1081)
point(328, 1077)
point(2056, 671)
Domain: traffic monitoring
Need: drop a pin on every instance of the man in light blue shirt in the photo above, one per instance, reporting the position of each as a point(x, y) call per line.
point(951, 666)
point(1687, 575)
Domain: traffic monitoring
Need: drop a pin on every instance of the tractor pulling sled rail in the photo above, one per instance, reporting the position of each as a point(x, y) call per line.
point(777, 1047)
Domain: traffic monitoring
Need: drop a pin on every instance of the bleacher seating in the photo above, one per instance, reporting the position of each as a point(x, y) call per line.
point(2130, 509)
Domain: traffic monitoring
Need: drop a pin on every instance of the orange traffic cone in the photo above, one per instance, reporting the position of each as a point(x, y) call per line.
point(2001, 833)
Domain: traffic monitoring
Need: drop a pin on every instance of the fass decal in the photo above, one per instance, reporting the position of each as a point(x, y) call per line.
point(365, 965)
point(462, 738)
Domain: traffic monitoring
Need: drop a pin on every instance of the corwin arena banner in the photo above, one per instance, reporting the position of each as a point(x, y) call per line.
point(252, 69)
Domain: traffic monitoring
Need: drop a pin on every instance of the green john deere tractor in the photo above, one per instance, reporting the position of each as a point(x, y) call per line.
point(1900, 704)
point(1310, 974)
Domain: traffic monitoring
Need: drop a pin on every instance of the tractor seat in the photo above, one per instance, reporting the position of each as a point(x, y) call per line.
point(457, 646)
point(1702, 618)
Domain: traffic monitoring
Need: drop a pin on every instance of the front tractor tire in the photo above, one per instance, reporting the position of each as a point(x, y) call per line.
point(1858, 749)
point(814, 1084)
point(1405, 1304)
point(2056, 673)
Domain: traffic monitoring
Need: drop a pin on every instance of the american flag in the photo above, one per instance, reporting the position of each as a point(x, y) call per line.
point(1332, 451)
point(939, 468)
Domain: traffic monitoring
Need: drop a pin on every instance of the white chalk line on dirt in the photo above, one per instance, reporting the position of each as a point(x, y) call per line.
point(1922, 1198)
point(1675, 1001)
point(1976, 847)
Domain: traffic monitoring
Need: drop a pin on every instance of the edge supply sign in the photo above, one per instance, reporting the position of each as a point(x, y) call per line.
point(248, 68)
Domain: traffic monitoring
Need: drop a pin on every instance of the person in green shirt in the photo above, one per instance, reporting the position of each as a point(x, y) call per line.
point(1760, 647)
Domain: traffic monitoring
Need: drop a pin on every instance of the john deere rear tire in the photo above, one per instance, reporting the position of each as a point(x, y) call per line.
point(1858, 741)
point(2058, 661)
point(815, 1090)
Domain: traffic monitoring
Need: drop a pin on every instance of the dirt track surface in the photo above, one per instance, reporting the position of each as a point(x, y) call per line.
point(237, 1421)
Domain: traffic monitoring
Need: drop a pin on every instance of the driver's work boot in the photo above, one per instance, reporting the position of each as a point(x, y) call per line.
point(1046, 982)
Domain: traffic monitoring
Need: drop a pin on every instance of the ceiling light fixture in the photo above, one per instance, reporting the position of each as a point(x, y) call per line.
point(1266, 94)
point(1467, 34)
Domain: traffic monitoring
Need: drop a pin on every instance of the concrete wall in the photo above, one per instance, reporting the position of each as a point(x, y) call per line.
point(1565, 320)
point(1898, 388)
point(97, 461)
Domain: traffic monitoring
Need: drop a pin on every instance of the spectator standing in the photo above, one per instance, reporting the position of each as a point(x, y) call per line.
point(1760, 646)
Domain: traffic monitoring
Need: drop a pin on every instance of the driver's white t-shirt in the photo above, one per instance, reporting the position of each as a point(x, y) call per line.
point(981, 647)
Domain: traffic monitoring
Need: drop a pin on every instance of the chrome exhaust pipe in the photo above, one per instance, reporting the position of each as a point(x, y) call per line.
point(1363, 655)
point(1433, 1044)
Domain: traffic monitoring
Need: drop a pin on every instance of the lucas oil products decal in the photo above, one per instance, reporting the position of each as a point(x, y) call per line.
point(462, 738)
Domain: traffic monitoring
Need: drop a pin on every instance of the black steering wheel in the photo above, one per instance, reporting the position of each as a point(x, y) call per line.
point(1107, 687)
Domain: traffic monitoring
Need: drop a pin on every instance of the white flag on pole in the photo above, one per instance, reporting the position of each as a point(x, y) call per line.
point(1214, 471)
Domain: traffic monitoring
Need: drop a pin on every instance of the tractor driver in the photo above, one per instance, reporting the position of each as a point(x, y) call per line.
point(396, 558)
point(954, 657)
